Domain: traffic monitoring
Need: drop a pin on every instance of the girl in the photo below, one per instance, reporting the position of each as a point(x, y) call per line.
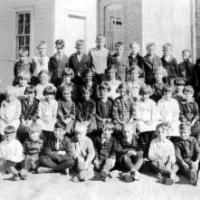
point(66, 110)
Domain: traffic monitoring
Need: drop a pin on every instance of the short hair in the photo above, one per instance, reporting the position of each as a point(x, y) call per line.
point(150, 45)
point(134, 42)
point(88, 71)
point(162, 125)
point(67, 87)
point(104, 85)
point(41, 43)
point(162, 70)
point(11, 90)
point(80, 42)
point(60, 42)
point(24, 74)
point(68, 71)
point(108, 125)
point(109, 68)
point(146, 90)
point(188, 88)
point(59, 126)
point(186, 50)
point(80, 127)
point(119, 44)
point(35, 127)
point(167, 88)
point(135, 68)
point(100, 36)
point(131, 125)
point(86, 89)
point(185, 126)
point(22, 51)
point(43, 72)
point(167, 46)
point(179, 81)
point(49, 90)
point(123, 86)
point(9, 130)
point(30, 89)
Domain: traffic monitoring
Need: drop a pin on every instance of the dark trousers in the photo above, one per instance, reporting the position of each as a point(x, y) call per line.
point(57, 165)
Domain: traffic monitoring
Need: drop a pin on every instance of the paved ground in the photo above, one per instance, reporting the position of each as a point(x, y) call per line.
point(59, 187)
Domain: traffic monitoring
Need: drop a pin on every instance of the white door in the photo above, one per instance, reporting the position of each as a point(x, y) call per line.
point(76, 29)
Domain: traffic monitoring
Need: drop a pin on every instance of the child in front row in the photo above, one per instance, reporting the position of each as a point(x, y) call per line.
point(29, 112)
point(130, 155)
point(32, 148)
point(106, 147)
point(58, 155)
point(162, 156)
point(188, 154)
point(10, 110)
point(66, 110)
point(11, 154)
point(83, 153)
point(47, 112)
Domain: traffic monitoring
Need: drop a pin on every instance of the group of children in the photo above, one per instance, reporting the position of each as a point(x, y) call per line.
point(99, 114)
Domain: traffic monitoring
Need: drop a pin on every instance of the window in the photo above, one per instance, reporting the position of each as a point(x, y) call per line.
point(113, 25)
point(23, 31)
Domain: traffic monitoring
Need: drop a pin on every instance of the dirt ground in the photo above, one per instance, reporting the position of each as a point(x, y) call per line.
point(60, 187)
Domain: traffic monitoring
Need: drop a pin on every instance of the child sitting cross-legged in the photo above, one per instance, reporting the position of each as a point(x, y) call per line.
point(129, 155)
point(188, 154)
point(58, 153)
point(32, 148)
point(83, 152)
point(162, 156)
point(105, 146)
point(11, 154)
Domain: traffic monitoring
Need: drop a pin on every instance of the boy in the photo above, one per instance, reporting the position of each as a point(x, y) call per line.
point(135, 58)
point(151, 61)
point(186, 68)
point(84, 153)
point(179, 84)
point(129, 155)
point(105, 147)
point(188, 153)
point(58, 155)
point(32, 148)
point(11, 154)
point(123, 107)
point(162, 156)
point(169, 63)
point(23, 64)
point(57, 63)
point(99, 57)
point(120, 62)
point(79, 61)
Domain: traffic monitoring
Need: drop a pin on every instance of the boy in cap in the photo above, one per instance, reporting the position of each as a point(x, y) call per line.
point(162, 156)
point(179, 84)
point(188, 154)
point(11, 154)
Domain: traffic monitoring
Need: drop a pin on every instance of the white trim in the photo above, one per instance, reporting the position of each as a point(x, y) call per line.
point(24, 9)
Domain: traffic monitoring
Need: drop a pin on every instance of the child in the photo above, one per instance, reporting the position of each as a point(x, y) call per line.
point(169, 63)
point(120, 62)
point(43, 82)
point(23, 80)
point(186, 68)
point(58, 155)
point(189, 111)
point(57, 63)
point(104, 106)
point(112, 82)
point(11, 154)
point(158, 85)
point(188, 153)
point(123, 107)
point(135, 59)
point(162, 156)
point(86, 110)
point(79, 61)
point(134, 91)
point(179, 84)
point(66, 110)
point(23, 64)
point(169, 111)
point(10, 110)
point(84, 153)
point(29, 112)
point(106, 148)
point(40, 62)
point(47, 112)
point(129, 156)
point(151, 61)
point(99, 57)
point(32, 148)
